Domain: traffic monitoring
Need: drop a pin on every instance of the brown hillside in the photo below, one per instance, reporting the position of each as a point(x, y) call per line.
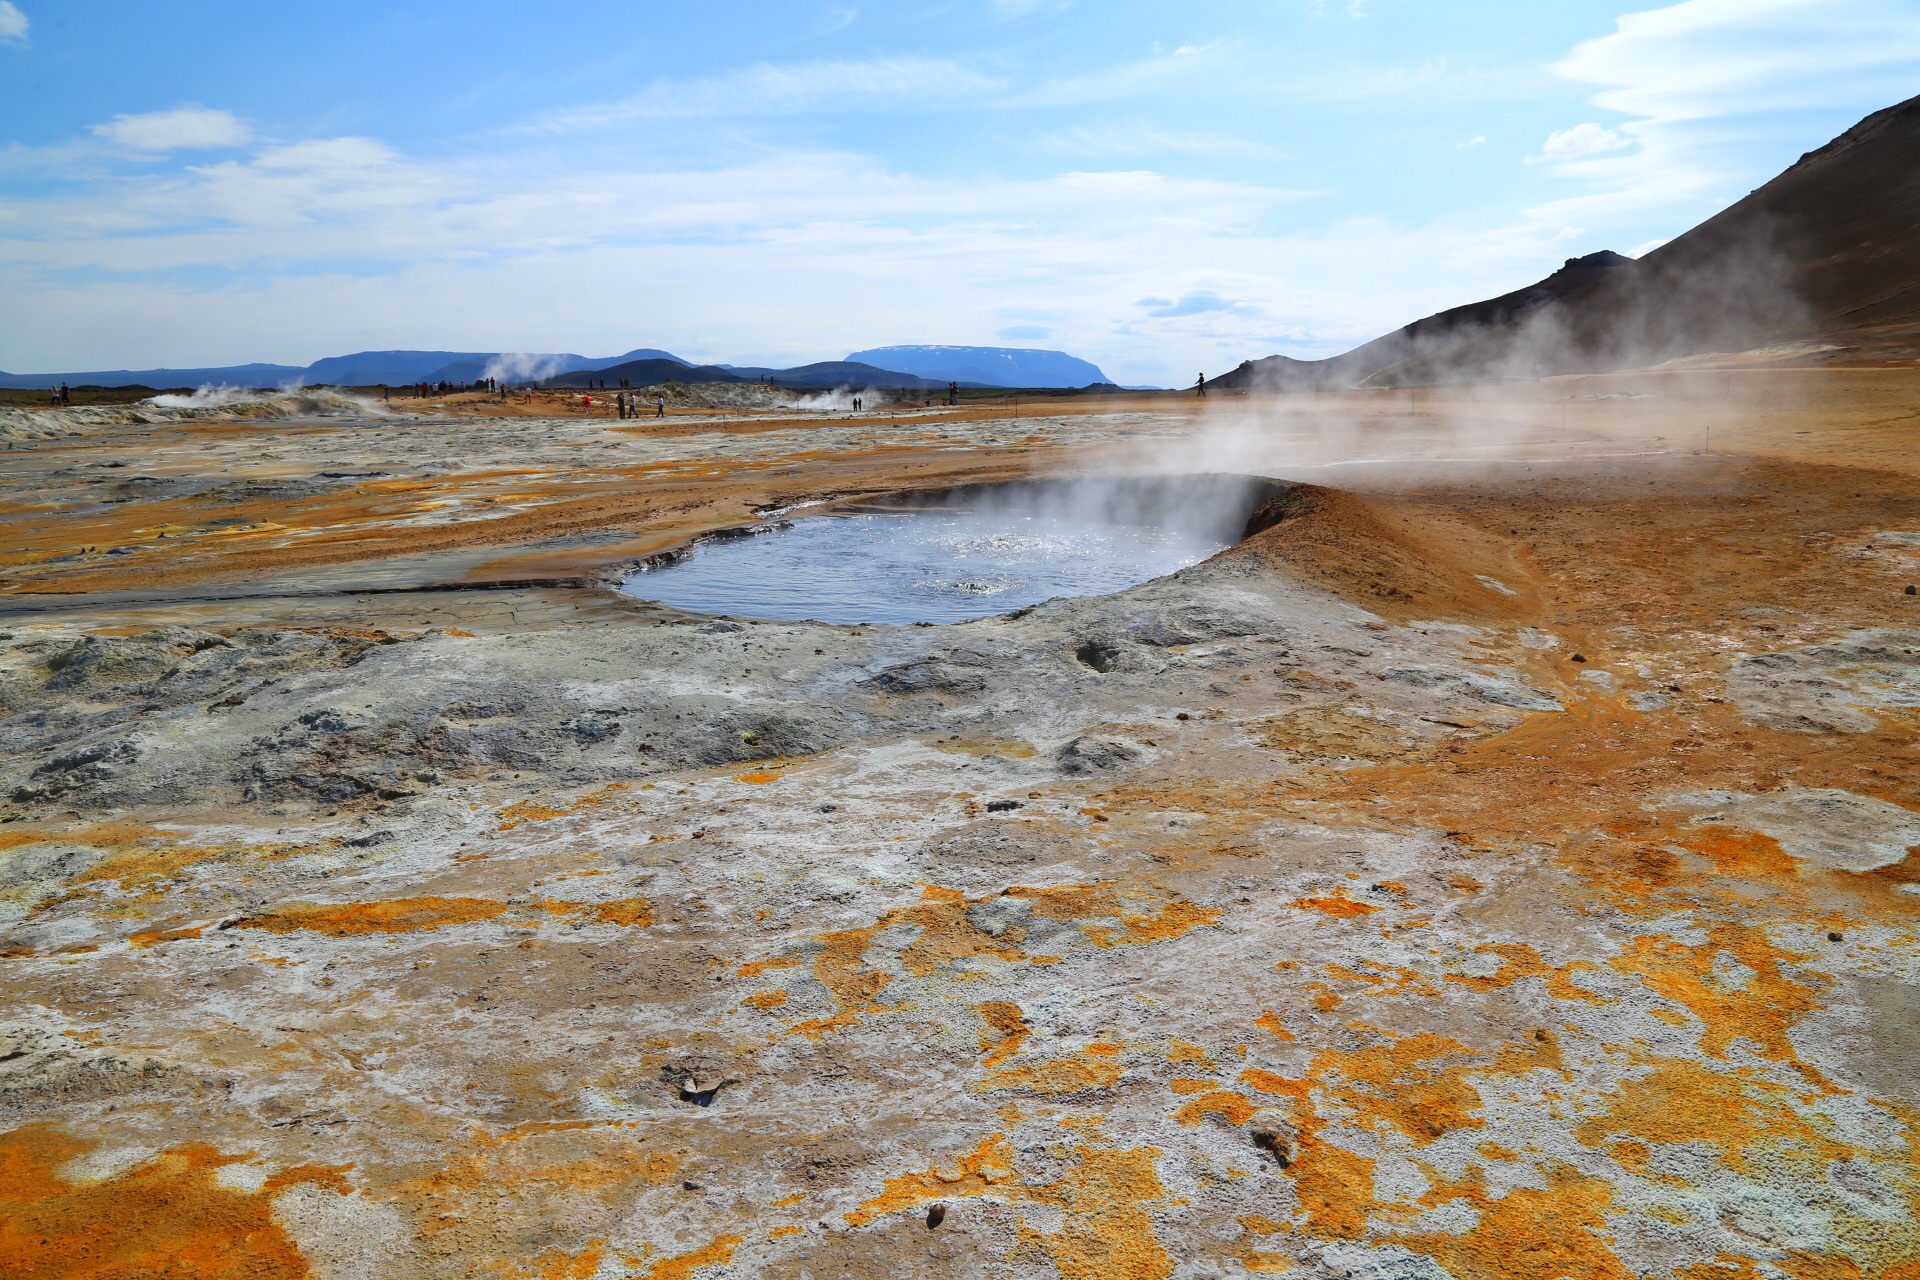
point(1829, 251)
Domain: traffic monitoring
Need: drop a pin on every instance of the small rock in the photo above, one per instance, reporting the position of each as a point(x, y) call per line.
point(1274, 1133)
point(936, 1216)
point(697, 1078)
point(1087, 753)
point(1002, 806)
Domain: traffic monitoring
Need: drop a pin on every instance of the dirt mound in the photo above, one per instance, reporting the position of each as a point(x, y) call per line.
point(1399, 566)
point(207, 404)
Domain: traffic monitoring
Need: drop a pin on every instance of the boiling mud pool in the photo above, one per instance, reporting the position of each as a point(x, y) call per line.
point(918, 566)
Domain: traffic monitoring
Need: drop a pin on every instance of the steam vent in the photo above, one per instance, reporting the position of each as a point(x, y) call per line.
point(1450, 812)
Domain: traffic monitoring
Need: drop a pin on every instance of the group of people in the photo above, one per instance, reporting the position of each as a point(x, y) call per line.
point(427, 390)
point(628, 405)
point(60, 395)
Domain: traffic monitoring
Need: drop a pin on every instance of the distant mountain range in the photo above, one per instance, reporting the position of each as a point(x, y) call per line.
point(807, 377)
point(1826, 254)
point(987, 366)
point(908, 368)
point(362, 369)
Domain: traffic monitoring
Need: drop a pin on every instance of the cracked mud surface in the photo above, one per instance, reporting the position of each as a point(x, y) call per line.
point(1492, 873)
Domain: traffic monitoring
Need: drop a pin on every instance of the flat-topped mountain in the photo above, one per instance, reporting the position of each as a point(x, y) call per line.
point(986, 366)
point(824, 375)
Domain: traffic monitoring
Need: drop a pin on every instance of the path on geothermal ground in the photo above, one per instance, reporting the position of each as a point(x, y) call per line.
point(1500, 868)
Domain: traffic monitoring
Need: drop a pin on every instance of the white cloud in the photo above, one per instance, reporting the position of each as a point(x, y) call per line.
point(1198, 302)
point(189, 128)
point(13, 23)
point(830, 85)
point(1478, 140)
point(1583, 140)
point(1712, 86)
point(1026, 8)
point(1140, 139)
point(360, 247)
point(1708, 58)
point(1127, 80)
point(838, 17)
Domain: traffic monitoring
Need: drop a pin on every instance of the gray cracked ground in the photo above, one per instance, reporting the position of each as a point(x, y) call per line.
point(683, 948)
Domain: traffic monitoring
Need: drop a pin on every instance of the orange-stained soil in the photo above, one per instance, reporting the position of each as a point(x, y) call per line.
point(164, 1217)
point(1527, 874)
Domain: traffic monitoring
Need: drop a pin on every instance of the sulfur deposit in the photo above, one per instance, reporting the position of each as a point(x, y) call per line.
point(1500, 864)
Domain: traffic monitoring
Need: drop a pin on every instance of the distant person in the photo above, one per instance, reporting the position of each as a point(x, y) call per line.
point(659, 406)
point(1200, 385)
point(66, 395)
point(953, 393)
point(586, 405)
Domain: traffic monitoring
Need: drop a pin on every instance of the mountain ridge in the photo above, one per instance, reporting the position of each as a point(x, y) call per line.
point(1826, 251)
point(986, 366)
point(356, 369)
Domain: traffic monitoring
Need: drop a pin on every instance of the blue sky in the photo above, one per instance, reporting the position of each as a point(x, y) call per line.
point(1159, 188)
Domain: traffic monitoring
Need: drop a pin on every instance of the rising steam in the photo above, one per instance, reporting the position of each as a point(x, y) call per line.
point(523, 366)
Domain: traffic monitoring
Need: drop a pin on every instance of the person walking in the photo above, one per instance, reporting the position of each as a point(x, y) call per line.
point(659, 406)
point(1200, 385)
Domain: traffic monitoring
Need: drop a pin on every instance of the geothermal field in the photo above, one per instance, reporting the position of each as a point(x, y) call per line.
point(1453, 832)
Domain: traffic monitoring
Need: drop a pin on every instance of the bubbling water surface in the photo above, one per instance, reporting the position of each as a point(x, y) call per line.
point(967, 552)
point(927, 566)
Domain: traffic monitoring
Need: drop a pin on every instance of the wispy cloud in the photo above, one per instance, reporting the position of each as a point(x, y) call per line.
point(188, 128)
point(1698, 77)
point(1711, 58)
point(768, 90)
point(1582, 141)
point(1137, 138)
point(13, 23)
point(838, 17)
point(358, 245)
point(1026, 8)
point(1198, 302)
point(1120, 81)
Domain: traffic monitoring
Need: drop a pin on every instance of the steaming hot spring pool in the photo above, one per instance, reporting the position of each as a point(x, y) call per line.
point(958, 553)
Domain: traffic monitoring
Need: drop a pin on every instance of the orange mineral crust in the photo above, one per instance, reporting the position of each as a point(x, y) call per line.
point(1501, 862)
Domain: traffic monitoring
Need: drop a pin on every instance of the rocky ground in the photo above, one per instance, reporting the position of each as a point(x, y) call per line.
point(1490, 870)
